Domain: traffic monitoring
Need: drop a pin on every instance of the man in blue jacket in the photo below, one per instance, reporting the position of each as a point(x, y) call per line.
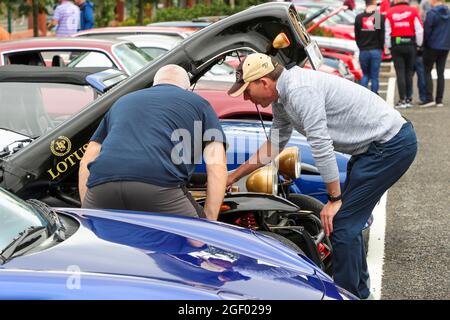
point(436, 47)
point(86, 14)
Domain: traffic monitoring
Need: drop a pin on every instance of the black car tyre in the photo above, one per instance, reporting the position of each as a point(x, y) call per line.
point(282, 239)
point(307, 203)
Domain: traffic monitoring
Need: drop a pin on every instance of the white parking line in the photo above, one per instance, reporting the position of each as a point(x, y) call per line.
point(390, 95)
point(375, 254)
point(446, 74)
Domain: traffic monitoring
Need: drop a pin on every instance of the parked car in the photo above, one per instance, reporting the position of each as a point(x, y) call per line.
point(342, 49)
point(333, 20)
point(47, 168)
point(74, 53)
point(115, 32)
point(48, 253)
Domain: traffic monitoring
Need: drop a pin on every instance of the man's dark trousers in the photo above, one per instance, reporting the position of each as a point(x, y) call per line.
point(404, 58)
point(430, 57)
point(369, 175)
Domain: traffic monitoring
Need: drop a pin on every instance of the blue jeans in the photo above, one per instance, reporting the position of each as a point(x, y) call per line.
point(369, 175)
point(421, 80)
point(370, 61)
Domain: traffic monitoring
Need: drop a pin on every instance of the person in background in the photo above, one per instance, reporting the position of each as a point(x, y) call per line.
point(404, 33)
point(424, 6)
point(86, 14)
point(66, 18)
point(418, 67)
point(436, 47)
point(369, 36)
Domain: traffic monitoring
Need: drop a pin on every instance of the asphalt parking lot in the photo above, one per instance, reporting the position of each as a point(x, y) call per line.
point(417, 239)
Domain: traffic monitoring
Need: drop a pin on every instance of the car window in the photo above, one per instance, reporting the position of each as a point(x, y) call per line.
point(154, 52)
point(59, 58)
point(15, 217)
point(32, 58)
point(132, 57)
point(41, 107)
point(91, 59)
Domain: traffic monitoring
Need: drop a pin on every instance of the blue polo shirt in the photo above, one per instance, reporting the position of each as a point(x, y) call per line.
point(155, 136)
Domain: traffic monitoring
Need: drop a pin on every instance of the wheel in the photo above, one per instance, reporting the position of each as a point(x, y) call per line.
point(307, 203)
point(282, 239)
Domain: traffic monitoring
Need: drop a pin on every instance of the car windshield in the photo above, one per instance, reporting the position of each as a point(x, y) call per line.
point(132, 57)
point(16, 216)
point(340, 18)
point(41, 106)
point(154, 52)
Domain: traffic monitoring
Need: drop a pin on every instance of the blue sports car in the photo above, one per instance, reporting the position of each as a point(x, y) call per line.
point(94, 254)
point(244, 137)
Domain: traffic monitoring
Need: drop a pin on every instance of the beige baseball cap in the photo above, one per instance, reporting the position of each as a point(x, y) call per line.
point(253, 67)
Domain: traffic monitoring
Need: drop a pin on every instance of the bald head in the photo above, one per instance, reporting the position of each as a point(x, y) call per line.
point(172, 74)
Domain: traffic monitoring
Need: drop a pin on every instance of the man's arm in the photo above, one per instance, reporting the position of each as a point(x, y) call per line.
point(92, 151)
point(216, 169)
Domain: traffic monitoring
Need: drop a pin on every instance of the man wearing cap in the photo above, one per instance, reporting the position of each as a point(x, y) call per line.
point(333, 114)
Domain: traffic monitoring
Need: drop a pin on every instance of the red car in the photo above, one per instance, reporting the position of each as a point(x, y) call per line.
point(352, 63)
point(227, 107)
point(73, 52)
point(335, 21)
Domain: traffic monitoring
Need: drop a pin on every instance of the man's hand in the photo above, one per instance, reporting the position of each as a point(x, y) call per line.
point(327, 214)
point(231, 179)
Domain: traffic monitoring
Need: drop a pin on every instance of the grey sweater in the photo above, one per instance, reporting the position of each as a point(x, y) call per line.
point(333, 114)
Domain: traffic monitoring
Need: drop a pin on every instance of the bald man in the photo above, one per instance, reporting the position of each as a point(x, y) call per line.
point(145, 149)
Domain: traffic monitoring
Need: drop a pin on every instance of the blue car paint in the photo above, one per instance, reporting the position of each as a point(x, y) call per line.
point(132, 255)
point(245, 137)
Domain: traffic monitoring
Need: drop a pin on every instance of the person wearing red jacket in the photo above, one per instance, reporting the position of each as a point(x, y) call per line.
point(384, 6)
point(403, 34)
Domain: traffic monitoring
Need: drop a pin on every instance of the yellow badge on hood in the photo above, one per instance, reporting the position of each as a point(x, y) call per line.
point(61, 146)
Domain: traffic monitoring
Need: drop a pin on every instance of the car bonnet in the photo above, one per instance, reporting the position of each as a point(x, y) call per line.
point(179, 250)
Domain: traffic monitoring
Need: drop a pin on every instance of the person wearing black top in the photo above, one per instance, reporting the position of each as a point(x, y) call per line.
point(369, 36)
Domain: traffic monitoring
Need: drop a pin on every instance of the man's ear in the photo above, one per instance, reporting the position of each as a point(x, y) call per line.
point(265, 81)
point(268, 83)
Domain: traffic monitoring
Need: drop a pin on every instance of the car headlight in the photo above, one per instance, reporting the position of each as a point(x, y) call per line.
point(263, 180)
point(288, 163)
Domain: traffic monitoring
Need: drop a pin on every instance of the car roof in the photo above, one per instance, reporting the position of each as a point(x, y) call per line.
point(25, 73)
point(56, 43)
point(180, 31)
point(181, 24)
point(152, 40)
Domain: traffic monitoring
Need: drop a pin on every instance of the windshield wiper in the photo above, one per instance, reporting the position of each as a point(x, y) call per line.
point(56, 226)
point(21, 241)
